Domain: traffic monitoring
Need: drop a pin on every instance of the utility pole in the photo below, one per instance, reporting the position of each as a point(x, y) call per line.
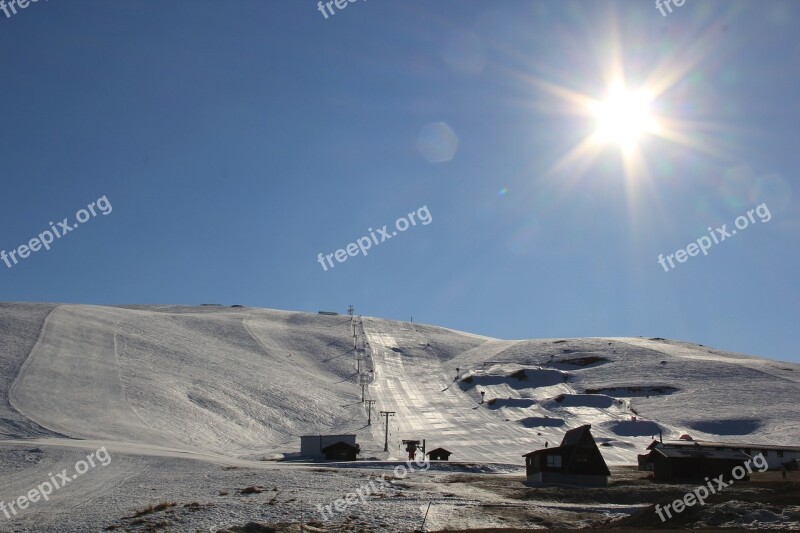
point(387, 414)
point(351, 310)
point(369, 411)
point(363, 386)
point(422, 527)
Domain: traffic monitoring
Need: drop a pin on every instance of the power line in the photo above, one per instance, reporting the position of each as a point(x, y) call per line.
point(387, 414)
point(369, 411)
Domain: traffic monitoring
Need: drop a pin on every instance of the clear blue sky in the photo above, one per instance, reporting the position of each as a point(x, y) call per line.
point(237, 140)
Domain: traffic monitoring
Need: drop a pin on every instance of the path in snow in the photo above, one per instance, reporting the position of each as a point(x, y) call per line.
point(428, 407)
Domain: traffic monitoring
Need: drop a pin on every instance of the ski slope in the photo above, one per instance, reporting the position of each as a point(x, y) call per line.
point(247, 382)
point(169, 388)
point(417, 387)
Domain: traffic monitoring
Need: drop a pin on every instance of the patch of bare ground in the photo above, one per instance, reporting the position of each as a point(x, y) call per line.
point(254, 527)
point(517, 530)
point(627, 487)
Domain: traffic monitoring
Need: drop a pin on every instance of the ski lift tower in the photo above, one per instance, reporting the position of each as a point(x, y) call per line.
point(411, 448)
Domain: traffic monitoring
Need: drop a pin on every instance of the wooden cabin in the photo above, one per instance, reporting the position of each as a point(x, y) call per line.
point(439, 454)
point(341, 451)
point(312, 446)
point(577, 461)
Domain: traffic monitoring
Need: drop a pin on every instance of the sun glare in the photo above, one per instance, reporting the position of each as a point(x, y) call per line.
point(624, 117)
point(628, 116)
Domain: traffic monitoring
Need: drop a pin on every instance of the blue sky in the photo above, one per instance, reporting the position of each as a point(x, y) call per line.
point(236, 141)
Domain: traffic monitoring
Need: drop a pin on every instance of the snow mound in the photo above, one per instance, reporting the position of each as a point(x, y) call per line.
point(498, 403)
point(736, 426)
point(634, 428)
point(541, 422)
point(573, 363)
point(634, 391)
point(599, 401)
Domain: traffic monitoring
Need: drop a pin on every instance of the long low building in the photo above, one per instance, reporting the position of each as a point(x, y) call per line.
point(776, 456)
point(685, 463)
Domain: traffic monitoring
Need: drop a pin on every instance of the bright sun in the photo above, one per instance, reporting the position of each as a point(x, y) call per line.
point(624, 117)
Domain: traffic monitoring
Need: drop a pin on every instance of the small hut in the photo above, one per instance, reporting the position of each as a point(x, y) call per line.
point(340, 451)
point(439, 454)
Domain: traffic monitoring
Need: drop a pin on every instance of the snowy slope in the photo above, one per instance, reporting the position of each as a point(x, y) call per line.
point(248, 382)
point(628, 389)
point(231, 381)
point(185, 398)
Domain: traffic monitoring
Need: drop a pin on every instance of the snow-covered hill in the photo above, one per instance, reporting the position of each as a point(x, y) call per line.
point(226, 385)
point(242, 382)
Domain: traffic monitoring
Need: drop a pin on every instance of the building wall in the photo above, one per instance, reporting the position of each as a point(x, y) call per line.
point(685, 468)
point(556, 478)
point(311, 445)
point(341, 454)
point(774, 461)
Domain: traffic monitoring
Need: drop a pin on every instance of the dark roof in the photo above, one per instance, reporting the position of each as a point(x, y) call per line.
point(573, 436)
point(340, 444)
point(578, 441)
point(439, 450)
point(326, 436)
point(704, 453)
point(728, 445)
point(543, 450)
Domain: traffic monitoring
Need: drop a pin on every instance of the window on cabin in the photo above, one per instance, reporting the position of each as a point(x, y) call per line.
point(780, 453)
point(554, 461)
